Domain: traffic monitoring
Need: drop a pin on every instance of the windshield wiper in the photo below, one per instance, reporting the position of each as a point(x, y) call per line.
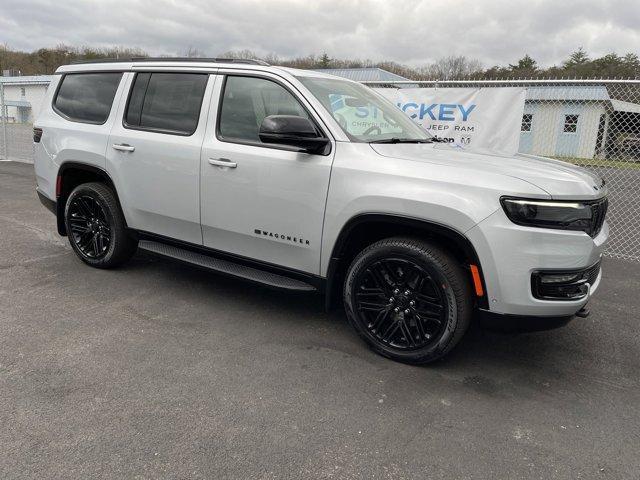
point(403, 140)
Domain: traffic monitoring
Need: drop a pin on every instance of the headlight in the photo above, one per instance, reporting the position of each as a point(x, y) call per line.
point(581, 216)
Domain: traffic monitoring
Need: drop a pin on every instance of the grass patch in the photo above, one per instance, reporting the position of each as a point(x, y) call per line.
point(596, 162)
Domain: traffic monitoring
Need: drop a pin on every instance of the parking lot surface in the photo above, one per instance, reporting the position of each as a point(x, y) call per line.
point(159, 370)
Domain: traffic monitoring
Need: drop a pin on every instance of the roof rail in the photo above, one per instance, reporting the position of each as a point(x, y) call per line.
point(173, 59)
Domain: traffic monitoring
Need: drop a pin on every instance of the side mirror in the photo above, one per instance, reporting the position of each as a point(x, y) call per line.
point(293, 131)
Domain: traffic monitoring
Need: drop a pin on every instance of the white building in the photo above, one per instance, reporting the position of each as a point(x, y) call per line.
point(578, 122)
point(23, 97)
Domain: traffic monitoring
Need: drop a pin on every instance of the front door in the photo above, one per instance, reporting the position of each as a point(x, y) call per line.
point(260, 201)
point(153, 154)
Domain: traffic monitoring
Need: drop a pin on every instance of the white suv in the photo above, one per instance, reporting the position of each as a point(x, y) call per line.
point(261, 173)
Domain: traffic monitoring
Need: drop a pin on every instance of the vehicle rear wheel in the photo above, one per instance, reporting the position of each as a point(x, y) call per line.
point(408, 299)
point(96, 227)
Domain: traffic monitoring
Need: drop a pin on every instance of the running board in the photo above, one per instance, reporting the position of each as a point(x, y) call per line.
point(225, 266)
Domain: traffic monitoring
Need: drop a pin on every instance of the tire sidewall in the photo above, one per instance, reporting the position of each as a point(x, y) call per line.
point(431, 265)
point(88, 190)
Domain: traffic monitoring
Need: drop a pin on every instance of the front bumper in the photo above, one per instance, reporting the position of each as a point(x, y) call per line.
point(510, 254)
point(521, 323)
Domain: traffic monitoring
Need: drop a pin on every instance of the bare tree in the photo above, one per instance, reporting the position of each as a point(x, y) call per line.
point(245, 54)
point(193, 52)
point(272, 59)
point(452, 67)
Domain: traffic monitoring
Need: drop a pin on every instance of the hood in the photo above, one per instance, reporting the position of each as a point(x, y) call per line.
point(561, 180)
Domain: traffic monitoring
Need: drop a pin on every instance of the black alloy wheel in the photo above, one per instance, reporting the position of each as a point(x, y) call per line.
point(400, 304)
point(90, 229)
point(409, 299)
point(96, 227)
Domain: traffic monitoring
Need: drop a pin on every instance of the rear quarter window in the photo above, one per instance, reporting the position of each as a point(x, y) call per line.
point(87, 97)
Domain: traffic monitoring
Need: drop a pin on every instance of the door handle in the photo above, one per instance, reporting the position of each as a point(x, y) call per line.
point(222, 162)
point(123, 147)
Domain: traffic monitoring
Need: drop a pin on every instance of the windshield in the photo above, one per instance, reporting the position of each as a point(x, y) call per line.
point(362, 114)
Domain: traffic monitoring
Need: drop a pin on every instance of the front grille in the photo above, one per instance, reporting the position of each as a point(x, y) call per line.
point(592, 274)
point(599, 211)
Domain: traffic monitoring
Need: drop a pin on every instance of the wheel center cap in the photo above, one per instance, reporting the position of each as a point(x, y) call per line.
point(401, 301)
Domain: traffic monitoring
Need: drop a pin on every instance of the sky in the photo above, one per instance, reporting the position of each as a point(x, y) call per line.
point(412, 32)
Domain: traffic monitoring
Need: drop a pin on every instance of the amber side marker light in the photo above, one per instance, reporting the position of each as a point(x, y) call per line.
point(58, 185)
point(477, 282)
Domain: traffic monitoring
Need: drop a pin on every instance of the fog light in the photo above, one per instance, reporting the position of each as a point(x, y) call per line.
point(561, 278)
point(568, 285)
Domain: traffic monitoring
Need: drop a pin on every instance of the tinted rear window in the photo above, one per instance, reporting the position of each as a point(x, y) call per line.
point(87, 97)
point(166, 102)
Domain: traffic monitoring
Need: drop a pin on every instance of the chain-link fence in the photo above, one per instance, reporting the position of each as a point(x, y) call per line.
point(591, 123)
point(20, 102)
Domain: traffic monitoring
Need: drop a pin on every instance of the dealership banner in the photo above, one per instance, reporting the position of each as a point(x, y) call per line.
point(475, 118)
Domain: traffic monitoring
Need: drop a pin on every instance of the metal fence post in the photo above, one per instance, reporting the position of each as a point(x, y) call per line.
point(3, 117)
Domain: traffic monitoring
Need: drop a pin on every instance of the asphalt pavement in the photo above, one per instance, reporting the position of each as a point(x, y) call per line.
point(160, 370)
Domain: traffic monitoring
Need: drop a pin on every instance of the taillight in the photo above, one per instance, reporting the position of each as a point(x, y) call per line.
point(37, 134)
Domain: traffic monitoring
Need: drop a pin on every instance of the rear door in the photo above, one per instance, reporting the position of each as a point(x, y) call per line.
point(153, 154)
point(258, 200)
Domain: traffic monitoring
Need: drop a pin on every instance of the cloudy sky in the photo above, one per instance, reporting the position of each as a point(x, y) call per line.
point(413, 32)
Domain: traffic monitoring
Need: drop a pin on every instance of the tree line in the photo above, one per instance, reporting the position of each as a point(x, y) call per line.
point(578, 64)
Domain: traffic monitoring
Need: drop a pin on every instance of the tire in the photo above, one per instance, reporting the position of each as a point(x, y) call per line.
point(409, 299)
point(96, 227)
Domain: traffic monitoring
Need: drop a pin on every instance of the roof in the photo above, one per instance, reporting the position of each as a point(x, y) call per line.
point(569, 93)
point(594, 93)
point(192, 64)
point(299, 72)
point(173, 59)
point(620, 106)
point(363, 74)
point(27, 79)
point(189, 64)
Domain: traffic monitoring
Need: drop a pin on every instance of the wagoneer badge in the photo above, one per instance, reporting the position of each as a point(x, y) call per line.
point(282, 237)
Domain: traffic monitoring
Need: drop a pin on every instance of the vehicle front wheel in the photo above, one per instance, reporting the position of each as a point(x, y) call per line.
point(96, 227)
point(409, 299)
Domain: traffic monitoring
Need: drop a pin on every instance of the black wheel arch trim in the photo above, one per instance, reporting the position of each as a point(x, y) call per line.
point(61, 202)
point(427, 226)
